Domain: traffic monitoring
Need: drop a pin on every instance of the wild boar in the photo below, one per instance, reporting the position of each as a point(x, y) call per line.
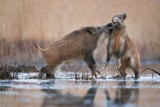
point(122, 47)
point(79, 44)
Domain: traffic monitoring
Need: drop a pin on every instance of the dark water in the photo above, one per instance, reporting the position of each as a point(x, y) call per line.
point(70, 93)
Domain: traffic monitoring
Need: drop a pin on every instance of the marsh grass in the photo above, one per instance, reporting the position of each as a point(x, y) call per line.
point(19, 51)
point(11, 72)
point(23, 23)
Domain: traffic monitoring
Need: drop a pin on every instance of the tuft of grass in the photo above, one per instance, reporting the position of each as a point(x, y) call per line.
point(11, 72)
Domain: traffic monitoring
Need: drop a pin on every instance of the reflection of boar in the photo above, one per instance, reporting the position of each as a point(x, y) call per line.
point(124, 96)
point(79, 44)
point(122, 47)
point(58, 98)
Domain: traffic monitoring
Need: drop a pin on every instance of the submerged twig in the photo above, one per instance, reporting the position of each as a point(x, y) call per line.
point(151, 70)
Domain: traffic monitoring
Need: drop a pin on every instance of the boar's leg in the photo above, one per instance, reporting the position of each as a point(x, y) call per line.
point(47, 69)
point(122, 71)
point(109, 53)
point(136, 72)
point(91, 64)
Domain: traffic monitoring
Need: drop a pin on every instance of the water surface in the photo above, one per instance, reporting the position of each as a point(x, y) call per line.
point(81, 93)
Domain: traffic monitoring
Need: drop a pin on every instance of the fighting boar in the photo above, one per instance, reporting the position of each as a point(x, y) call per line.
point(79, 44)
point(122, 47)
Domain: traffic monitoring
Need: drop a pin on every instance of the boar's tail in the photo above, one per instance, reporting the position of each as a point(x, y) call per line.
point(40, 49)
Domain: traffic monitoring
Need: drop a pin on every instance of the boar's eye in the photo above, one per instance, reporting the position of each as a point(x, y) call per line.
point(91, 31)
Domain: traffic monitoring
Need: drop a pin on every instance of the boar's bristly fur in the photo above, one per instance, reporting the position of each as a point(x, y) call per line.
point(79, 44)
point(122, 47)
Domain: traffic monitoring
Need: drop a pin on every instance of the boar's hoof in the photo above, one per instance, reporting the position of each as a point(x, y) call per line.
point(137, 76)
point(40, 75)
point(50, 75)
point(94, 75)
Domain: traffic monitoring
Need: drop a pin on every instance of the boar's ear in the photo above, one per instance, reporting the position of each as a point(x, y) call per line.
point(110, 27)
point(91, 30)
point(124, 15)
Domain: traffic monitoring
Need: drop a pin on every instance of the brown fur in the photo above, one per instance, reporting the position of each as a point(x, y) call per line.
point(79, 44)
point(122, 47)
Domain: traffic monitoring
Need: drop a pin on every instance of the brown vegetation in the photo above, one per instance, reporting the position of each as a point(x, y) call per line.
point(11, 72)
point(24, 22)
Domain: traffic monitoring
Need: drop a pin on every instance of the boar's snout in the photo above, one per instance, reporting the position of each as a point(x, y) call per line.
point(108, 29)
point(118, 20)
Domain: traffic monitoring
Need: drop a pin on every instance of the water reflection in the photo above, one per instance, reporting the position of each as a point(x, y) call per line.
point(89, 97)
point(124, 97)
point(59, 98)
point(68, 93)
point(6, 99)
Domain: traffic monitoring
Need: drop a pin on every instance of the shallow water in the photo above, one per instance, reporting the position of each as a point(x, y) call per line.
point(80, 93)
point(65, 91)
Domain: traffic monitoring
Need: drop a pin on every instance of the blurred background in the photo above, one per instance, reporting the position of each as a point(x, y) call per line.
point(26, 22)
